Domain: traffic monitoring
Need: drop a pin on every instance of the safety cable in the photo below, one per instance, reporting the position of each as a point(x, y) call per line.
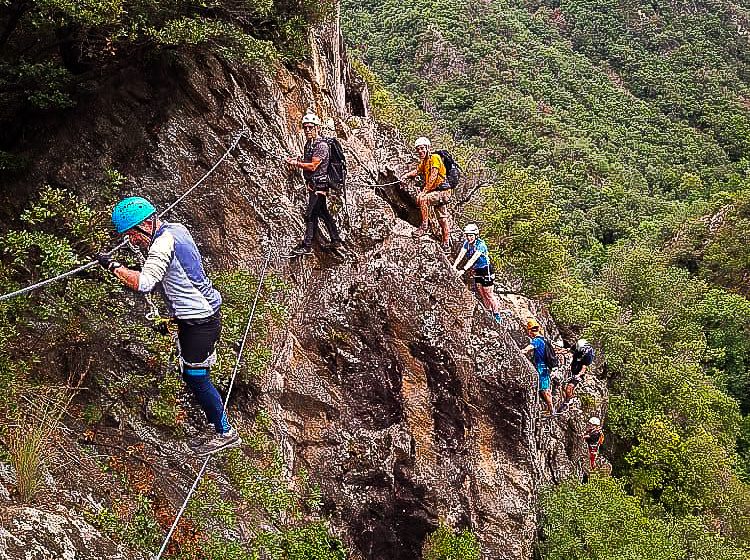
point(240, 134)
point(124, 243)
point(375, 184)
point(58, 277)
point(226, 402)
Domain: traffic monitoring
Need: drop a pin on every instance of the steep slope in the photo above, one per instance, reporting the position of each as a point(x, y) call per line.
point(384, 380)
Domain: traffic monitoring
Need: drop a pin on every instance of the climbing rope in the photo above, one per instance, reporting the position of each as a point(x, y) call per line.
point(226, 402)
point(124, 243)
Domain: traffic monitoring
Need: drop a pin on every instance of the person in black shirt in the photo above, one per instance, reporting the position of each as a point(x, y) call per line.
point(583, 356)
point(314, 165)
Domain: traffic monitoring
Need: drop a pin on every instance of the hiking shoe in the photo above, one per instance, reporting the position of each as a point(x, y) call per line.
point(332, 246)
point(201, 438)
point(218, 442)
point(302, 250)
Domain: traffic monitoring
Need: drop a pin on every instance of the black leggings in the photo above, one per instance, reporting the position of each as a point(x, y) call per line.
point(318, 208)
point(197, 339)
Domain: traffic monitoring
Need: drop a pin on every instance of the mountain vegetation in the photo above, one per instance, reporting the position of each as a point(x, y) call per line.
point(616, 138)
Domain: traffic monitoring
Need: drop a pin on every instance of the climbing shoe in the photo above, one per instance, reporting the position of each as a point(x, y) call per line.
point(218, 442)
point(302, 250)
point(562, 408)
point(446, 248)
point(419, 232)
point(498, 318)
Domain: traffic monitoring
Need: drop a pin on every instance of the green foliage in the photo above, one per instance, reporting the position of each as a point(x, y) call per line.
point(166, 409)
point(517, 219)
point(280, 511)
point(445, 544)
point(689, 475)
point(209, 511)
point(599, 521)
point(395, 110)
point(51, 49)
point(28, 447)
point(227, 39)
point(610, 127)
point(513, 79)
point(135, 525)
point(238, 289)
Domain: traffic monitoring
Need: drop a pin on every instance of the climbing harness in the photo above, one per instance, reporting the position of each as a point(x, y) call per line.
point(237, 364)
point(79, 269)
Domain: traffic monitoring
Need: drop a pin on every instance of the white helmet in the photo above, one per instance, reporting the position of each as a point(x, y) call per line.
point(594, 421)
point(581, 344)
point(311, 118)
point(472, 229)
point(422, 141)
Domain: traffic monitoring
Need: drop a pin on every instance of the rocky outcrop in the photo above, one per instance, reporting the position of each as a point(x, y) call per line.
point(37, 534)
point(388, 382)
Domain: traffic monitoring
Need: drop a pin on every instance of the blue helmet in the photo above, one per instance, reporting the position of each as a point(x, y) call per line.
point(130, 212)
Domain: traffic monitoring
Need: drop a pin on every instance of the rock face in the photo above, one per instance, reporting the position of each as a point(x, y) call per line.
point(389, 382)
point(35, 534)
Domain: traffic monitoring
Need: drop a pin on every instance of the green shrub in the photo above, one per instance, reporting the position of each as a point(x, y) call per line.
point(599, 520)
point(446, 544)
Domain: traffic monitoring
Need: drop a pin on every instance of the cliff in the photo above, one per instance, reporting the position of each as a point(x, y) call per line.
point(387, 382)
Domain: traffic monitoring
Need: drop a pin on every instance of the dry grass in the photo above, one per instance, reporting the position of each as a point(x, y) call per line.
point(30, 440)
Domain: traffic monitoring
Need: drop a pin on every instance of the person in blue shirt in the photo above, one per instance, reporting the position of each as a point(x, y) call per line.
point(537, 345)
point(479, 260)
point(174, 267)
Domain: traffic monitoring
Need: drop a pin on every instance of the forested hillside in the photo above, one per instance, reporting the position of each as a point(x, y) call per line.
point(616, 135)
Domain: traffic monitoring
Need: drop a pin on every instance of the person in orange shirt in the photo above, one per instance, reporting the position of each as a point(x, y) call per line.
point(436, 191)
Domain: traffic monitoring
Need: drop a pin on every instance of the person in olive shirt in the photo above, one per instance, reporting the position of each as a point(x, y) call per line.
point(436, 191)
point(314, 166)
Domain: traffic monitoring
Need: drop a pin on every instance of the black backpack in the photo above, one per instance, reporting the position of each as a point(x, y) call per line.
point(336, 163)
point(550, 356)
point(452, 169)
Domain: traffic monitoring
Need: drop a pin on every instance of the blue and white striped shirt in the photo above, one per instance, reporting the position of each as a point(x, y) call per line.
point(174, 261)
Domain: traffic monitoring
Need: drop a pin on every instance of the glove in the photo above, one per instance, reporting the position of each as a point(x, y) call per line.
point(161, 327)
point(106, 261)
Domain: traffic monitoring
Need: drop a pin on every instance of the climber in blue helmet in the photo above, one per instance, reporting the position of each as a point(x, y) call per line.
point(173, 261)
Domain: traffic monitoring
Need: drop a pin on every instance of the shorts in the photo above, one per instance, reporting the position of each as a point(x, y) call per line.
point(545, 380)
point(437, 200)
point(484, 276)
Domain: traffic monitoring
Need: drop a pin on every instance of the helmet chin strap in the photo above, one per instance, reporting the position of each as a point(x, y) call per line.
point(150, 235)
